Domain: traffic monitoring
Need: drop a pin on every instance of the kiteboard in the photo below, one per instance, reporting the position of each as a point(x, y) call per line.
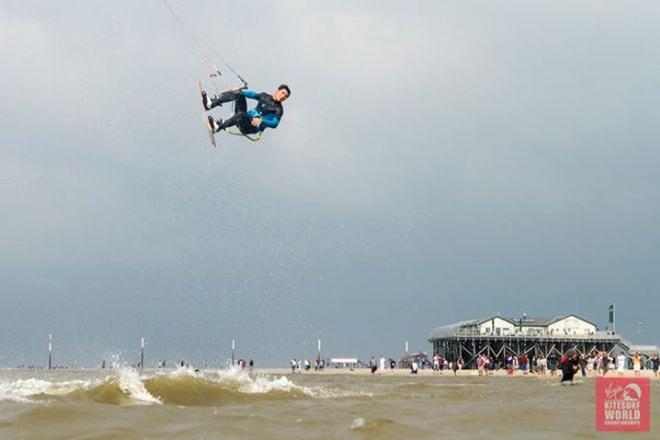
point(209, 128)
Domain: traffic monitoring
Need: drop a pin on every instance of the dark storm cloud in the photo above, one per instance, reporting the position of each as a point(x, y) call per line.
point(437, 161)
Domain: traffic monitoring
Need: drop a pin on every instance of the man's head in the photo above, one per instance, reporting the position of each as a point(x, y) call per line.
point(282, 93)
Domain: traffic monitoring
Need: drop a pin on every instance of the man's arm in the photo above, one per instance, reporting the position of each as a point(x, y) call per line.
point(270, 121)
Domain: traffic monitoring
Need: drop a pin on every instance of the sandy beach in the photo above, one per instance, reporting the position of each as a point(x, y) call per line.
point(400, 372)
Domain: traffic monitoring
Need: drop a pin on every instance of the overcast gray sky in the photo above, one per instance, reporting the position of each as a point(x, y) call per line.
point(437, 161)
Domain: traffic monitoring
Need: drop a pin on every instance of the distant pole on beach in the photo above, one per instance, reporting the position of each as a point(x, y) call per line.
point(233, 349)
point(406, 348)
point(319, 350)
point(142, 353)
point(50, 351)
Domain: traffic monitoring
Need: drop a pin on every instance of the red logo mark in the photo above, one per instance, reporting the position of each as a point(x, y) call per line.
point(622, 404)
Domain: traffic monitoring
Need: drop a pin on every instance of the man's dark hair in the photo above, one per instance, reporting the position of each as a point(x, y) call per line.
point(285, 87)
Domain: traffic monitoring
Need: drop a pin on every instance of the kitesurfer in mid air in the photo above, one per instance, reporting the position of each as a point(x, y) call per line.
point(266, 114)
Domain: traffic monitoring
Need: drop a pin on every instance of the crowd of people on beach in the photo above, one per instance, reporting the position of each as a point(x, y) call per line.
point(565, 366)
point(41, 367)
point(440, 364)
point(245, 365)
point(597, 364)
point(299, 365)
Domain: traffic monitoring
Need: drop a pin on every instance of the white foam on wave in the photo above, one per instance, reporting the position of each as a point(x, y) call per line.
point(357, 423)
point(130, 383)
point(266, 384)
point(184, 372)
point(22, 389)
point(260, 384)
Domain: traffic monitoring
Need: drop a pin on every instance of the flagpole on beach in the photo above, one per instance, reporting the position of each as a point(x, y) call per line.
point(406, 347)
point(142, 353)
point(50, 351)
point(233, 349)
point(318, 358)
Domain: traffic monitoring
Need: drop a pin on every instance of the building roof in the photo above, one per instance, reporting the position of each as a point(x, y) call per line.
point(536, 321)
point(481, 321)
point(452, 329)
point(559, 318)
point(344, 360)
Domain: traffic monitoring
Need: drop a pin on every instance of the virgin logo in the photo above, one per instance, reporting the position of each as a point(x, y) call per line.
point(631, 391)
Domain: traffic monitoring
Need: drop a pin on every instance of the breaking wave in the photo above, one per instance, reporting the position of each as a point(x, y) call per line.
point(127, 387)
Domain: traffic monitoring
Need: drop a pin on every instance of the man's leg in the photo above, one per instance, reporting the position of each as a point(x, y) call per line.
point(216, 100)
point(240, 103)
point(241, 120)
point(224, 97)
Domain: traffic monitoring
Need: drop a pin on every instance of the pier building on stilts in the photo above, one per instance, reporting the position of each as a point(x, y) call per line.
point(498, 337)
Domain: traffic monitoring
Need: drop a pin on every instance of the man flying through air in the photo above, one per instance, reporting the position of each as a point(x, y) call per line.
point(266, 114)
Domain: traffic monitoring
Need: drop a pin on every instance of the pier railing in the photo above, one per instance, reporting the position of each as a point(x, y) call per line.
point(468, 333)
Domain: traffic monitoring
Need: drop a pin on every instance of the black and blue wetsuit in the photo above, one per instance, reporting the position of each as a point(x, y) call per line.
point(267, 109)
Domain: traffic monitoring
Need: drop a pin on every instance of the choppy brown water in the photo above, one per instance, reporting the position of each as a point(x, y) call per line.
point(219, 404)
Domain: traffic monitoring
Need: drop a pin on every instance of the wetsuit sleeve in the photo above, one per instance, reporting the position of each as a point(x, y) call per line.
point(270, 121)
point(250, 94)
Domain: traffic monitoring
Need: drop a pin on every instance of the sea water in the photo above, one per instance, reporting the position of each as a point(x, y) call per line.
point(210, 404)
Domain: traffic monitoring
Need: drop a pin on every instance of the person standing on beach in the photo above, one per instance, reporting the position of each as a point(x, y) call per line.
point(590, 365)
point(509, 365)
point(606, 363)
point(522, 363)
point(655, 361)
point(552, 364)
point(493, 365)
point(487, 362)
point(541, 364)
point(599, 364)
point(620, 364)
point(583, 366)
point(637, 364)
point(373, 364)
